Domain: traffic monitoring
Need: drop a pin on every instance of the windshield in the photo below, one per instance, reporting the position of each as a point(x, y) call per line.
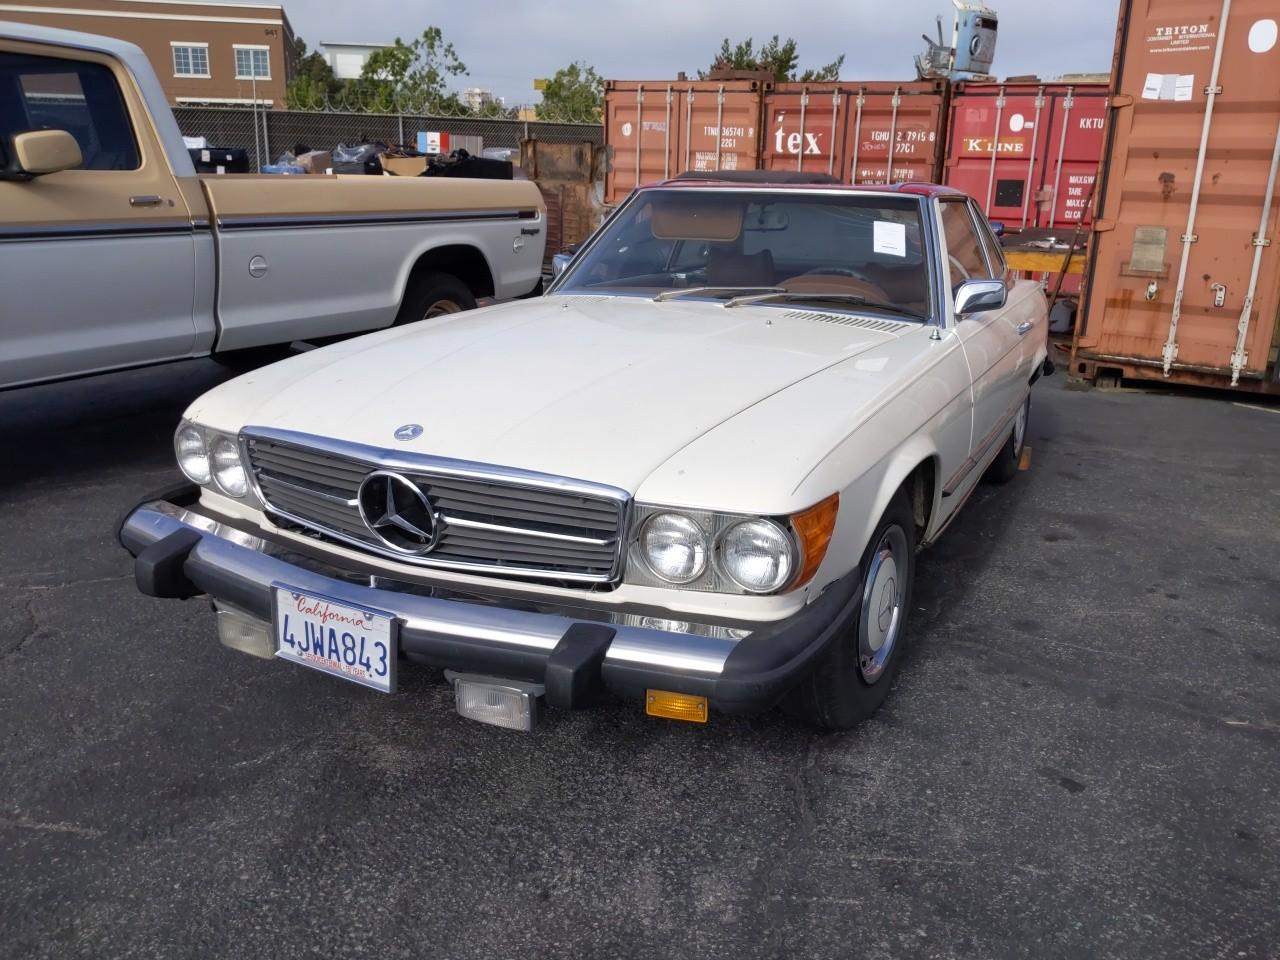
point(722, 243)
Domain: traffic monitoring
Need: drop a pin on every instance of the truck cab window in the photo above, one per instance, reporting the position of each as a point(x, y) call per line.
point(48, 93)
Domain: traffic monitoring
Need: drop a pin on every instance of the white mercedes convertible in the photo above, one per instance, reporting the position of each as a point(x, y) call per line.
point(695, 474)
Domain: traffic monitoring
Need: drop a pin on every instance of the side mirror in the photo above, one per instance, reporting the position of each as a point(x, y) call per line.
point(38, 152)
point(997, 227)
point(559, 262)
point(979, 296)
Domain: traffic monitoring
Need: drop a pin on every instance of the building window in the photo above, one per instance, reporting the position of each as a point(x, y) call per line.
point(252, 63)
point(190, 59)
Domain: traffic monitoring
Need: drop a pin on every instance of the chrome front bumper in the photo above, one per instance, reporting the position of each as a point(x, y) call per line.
point(182, 550)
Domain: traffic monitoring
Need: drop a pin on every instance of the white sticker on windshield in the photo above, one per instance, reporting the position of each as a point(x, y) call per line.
point(889, 237)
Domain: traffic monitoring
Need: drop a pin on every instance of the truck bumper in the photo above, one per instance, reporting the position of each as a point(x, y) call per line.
point(183, 550)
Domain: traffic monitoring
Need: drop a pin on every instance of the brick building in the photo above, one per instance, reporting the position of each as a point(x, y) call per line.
point(203, 52)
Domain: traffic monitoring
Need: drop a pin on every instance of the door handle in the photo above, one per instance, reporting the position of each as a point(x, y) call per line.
point(144, 201)
point(1025, 327)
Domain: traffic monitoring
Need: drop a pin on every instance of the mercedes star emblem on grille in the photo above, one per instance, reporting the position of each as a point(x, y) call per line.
point(409, 431)
point(397, 512)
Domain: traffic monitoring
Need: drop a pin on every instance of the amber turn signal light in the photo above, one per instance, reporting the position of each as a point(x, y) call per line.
point(675, 706)
point(814, 528)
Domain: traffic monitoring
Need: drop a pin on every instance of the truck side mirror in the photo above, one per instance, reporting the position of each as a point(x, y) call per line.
point(997, 227)
point(559, 262)
point(39, 152)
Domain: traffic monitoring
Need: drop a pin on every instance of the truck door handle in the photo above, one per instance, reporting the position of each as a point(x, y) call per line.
point(144, 201)
point(1025, 327)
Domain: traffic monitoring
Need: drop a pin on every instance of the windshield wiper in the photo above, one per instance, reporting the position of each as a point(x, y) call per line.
point(692, 291)
point(852, 299)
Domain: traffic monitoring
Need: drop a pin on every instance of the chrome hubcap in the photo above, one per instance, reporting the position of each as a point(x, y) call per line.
point(440, 308)
point(1020, 428)
point(882, 596)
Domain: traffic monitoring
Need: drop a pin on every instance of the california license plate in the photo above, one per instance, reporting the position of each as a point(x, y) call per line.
point(354, 643)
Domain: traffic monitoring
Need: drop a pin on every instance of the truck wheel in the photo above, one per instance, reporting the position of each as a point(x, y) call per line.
point(853, 678)
point(1005, 465)
point(434, 295)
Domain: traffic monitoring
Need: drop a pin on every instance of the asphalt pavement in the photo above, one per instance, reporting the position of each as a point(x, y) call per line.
point(1081, 757)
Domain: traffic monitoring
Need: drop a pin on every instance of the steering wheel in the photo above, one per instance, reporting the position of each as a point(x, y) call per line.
point(956, 264)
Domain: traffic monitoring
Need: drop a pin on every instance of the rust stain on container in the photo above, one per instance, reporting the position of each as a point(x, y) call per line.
point(1185, 259)
point(570, 176)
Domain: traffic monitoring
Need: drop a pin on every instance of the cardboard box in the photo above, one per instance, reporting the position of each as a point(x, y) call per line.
point(317, 161)
point(404, 166)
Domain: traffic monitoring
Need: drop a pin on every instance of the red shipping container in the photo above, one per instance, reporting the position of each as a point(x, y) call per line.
point(659, 129)
point(1027, 152)
point(845, 129)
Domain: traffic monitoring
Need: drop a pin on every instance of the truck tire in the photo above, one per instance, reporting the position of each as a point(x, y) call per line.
point(1005, 465)
point(433, 295)
point(853, 678)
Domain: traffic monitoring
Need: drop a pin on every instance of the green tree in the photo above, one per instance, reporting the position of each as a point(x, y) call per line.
point(313, 85)
point(575, 92)
point(777, 56)
point(413, 76)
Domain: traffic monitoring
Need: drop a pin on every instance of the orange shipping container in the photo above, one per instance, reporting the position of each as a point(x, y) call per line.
point(845, 129)
point(658, 129)
point(1185, 259)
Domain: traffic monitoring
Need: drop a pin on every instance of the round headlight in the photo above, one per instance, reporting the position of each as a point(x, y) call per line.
point(757, 555)
point(193, 455)
point(674, 547)
point(228, 471)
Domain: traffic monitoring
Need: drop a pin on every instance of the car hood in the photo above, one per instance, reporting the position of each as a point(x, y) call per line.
point(596, 388)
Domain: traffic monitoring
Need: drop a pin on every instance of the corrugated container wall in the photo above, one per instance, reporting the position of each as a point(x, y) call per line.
point(1027, 152)
point(658, 129)
point(846, 129)
point(1185, 261)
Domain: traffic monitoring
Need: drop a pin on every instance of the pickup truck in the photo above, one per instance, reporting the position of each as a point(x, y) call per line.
point(114, 253)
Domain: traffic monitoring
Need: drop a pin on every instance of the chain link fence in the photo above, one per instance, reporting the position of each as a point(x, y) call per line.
point(265, 134)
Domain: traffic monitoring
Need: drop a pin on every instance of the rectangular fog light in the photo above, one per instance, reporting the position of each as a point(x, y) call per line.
point(675, 706)
point(239, 631)
point(496, 703)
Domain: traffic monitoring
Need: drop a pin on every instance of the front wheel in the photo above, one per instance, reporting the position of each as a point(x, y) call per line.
point(853, 678)
point(434, 295)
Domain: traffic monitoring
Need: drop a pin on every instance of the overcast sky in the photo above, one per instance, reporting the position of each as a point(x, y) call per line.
point(505, 45)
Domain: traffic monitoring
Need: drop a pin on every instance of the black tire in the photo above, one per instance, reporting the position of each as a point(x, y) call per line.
point(251, 358)
point(852, 680)
point(434, 294)
point(1005, 466)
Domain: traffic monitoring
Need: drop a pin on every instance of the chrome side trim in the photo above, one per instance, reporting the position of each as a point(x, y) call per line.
point(254, 563)
point(276, 222)
point(93, 231)
point(984, 447)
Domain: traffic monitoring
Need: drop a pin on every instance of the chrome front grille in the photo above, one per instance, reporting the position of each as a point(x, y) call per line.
point(491, 520)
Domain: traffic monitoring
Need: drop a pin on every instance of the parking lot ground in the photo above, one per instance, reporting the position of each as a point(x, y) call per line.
point(1081, 758)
